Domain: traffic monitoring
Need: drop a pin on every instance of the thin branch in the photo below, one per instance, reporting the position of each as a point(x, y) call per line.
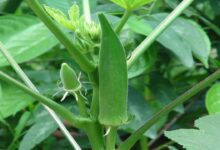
point(123, 21)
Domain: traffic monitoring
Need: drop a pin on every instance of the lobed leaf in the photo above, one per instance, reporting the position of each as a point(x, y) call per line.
point(206, 137)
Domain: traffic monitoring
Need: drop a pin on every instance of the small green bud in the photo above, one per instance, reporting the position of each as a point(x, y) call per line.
point(69, 78)
point(93, 30)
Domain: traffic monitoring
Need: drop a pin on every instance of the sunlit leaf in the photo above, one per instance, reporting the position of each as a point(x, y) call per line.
point(213, 99)
point(205, 137)
point(25, 37)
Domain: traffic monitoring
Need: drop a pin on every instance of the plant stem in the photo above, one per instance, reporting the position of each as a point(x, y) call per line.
point(78, 122)
point(28, 82)
point(123, 21)
point(111, 138)
point(95, 135)
point(127, 144)
point(84, 63)
point(144, 143)
point(82, 105)
point(86, 10)
point(158, 31)
point(95, 99)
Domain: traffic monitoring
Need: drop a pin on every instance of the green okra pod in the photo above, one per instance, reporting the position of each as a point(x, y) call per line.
point(112, 77)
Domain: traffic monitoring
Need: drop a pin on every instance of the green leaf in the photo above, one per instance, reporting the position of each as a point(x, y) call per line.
point(43, 128)
point(163, 90)
point(183, 38)
point(144, 63)
point(139, 25)
point(213, 99)
point(25, 37)
point(206, 137)
point(131, 5)
point(112, 77)
point(12, 101)
point(20, 127)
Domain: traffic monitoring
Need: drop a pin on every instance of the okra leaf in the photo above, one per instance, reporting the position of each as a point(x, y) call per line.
point(25, 37)
point(113, 77)
point(205, 137)
point(19, 128)
point(184, 38)
point(213, 99)
point(43, 127)
point(12, 101)
point(131, 5)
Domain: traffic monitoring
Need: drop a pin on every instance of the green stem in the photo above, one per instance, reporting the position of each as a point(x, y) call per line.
point(28, 82)
point(84, 63)
point(127, 144)
point(156, 32)
point(81, 105)
point(123, 21)
point(95, 99)
point(111, 139)
point(95, 135)
point(62, 111)
point(144, 143)
point(86, 10)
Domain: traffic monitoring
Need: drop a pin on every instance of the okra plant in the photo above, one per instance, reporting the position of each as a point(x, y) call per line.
point(108, 57)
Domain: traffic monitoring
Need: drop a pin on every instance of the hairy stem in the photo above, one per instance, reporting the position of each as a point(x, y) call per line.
point(123, 21)
point(28, 82)
point(95, 99)
point(59, 109)
point(81, 104)
point(156, 32)
point(95, 135)
point(111, 139)
point(127, 144)
point(84, 63)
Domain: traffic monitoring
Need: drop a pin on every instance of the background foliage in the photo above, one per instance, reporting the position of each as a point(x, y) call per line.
point(184, 54)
